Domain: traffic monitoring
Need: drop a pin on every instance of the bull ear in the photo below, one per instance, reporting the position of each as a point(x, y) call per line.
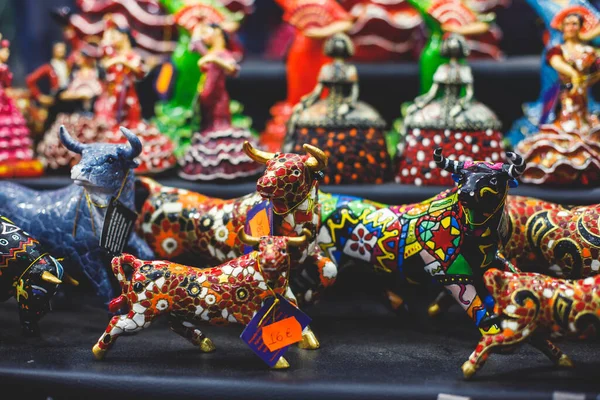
point(69, 142)
point(49, 277)
point(516, 166)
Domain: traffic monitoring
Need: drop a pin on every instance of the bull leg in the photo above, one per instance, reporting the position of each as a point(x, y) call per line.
point(465, 294)
point(309, 340)
point(189, 332)
point(550, 350)
point(119, 325)
point(441, 304)
point(487, 342)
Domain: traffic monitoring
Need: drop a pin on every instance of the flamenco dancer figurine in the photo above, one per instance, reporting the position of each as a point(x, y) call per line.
point(217, 150)
point(315, 21)
point(463, 127)
point(119, 105)
point(78, 99)
point(567, 151)
point(178, 80)
point(542, 110)
point(16, 153)
point(350, 132)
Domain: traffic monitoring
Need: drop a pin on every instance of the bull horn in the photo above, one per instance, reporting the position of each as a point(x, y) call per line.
point(69, 142)
point(318, 161)
point(134, 142)
point(300, 240)
point(517, 164)
point(444, 163)
point(247, 239)
point(50, 277)
point(257, 155)
point(70, 280)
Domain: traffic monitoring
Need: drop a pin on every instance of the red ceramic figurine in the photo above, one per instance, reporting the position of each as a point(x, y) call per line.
point(217, 149)
point(119, 104)
point(16, 154)
point(315, 21)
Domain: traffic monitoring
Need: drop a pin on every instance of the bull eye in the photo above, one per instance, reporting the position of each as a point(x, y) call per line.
point(493, 180)
point(138, 287)
point(296, 172)
point(283, 252)
point(110, 159)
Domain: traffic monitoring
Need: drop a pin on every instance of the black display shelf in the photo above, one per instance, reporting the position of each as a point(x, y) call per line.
point(367, 352)
point(389, 193)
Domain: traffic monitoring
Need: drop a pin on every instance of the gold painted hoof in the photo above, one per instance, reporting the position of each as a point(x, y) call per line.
point(434, 310)
point(565, 361)
point(207, 346)
point(281, 364)
point(468, 369)
point(98, 352)
point(309, 341)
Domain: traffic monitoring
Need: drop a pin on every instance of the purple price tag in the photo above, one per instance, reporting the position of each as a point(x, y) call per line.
point(252, 335)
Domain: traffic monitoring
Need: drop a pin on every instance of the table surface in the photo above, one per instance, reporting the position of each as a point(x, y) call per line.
point(367, 351)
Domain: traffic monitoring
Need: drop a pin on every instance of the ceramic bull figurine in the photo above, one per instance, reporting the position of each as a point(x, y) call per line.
point(232, 292)
point(178, 223)
point(535, 308)
point(69, 221)
point(29, 273)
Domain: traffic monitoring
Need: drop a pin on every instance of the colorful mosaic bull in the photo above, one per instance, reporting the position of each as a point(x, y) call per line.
point(535, 308)
point(232, 292)
point(182, 225)
point(69, 221)
point(28, 273)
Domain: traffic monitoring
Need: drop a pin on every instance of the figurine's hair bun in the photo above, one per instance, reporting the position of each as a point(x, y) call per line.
point(339, 46)
point(454, 46)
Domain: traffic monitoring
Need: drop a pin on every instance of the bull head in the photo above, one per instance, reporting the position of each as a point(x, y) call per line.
point(289, 177)
point(103, 166)
point(482, 186)
point(273, 249)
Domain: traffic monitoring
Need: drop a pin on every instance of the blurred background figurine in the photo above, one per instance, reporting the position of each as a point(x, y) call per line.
point(567, 151)
point(542, 110)
point(119, 104)
point(217, 149)
point(16, 152)
point(349, 131)
point(449, 117)
point(314, 21)
point(178, 79)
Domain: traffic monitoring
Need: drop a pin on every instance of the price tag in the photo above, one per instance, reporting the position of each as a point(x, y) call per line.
point(254, 334)
point(283, 333)
point(117, 227)
point(259, 222)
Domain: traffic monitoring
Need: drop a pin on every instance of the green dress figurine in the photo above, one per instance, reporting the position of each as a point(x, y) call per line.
point(179, 79)
point(440, 17)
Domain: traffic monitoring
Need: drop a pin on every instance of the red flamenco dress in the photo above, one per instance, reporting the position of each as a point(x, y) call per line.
point(16, 153)
point(119, 105)
point(217, 149)
point(304, 60)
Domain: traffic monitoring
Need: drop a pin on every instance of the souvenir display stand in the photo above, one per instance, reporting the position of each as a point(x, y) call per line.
point(370, 344)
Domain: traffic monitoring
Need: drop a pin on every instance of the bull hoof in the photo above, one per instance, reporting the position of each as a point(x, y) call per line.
point(565, 361)
point(207, 346)
point(468, 369)
point(98, 352)
point(281, 364)
point(309, 341)
point(434, 310)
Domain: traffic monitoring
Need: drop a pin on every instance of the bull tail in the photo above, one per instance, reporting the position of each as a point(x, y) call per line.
point(117, 268)
point(149, 184)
